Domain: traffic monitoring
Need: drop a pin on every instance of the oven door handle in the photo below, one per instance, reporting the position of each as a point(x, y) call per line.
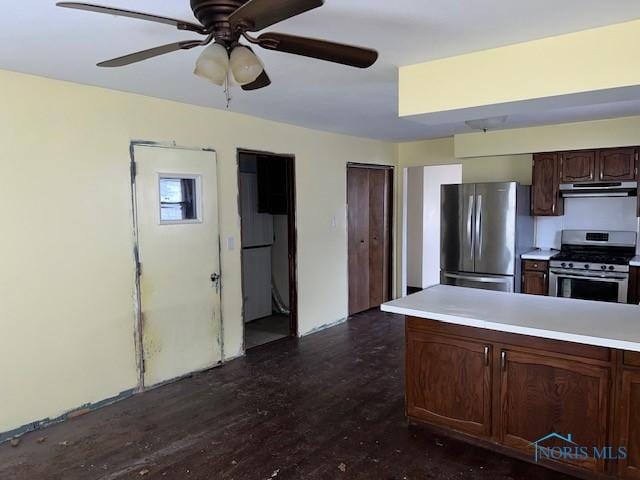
point(600, 278)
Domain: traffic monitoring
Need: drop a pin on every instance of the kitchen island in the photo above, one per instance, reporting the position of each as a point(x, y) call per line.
point(506, 371)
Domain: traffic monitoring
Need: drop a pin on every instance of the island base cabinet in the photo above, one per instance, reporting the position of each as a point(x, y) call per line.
point(542, 395)
point(629, 424)
point(449, 382)
point(511, 392)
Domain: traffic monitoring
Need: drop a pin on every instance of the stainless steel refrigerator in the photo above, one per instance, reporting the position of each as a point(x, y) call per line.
point(485, 227)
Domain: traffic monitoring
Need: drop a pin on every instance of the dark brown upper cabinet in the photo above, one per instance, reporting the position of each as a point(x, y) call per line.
point(273, 185)
point(617, 164)
point(578, 166)
point(546, 201)
point(582, 166)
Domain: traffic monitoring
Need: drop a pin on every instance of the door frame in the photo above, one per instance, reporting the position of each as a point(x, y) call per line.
point(392, 189)
point(137, 300)
point(292, 235)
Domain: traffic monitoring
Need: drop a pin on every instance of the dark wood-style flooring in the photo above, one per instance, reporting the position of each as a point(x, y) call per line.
point(328, 406)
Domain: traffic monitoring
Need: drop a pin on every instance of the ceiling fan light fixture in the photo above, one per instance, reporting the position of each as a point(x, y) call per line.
point(213, 64)
point(246, 67)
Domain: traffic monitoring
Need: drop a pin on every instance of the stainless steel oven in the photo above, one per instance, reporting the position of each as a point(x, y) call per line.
point(589, 285)
point(593, 265)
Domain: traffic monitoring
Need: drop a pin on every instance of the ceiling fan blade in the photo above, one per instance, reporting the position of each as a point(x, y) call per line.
point(256, 15)
point(261, 82)
point(152, 52)
point(179, 24)
point(320, 49)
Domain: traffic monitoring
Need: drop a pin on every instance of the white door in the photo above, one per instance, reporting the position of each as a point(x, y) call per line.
point(179, 254)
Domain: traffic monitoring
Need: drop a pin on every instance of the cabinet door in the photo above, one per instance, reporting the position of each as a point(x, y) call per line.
point(617, 164)
point(449, 382)
point(629, 424)
point(545, 195)
point(535, 283)
point(541, 395)
point(578, 166)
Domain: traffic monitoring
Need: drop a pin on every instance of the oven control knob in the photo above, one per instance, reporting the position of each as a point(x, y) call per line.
point(611, 267)
point(563, 265)
point(603, 267)
point(586, 267)
point(571, 265)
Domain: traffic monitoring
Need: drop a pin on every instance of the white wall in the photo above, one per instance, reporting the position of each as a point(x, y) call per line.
point(434, 178)
point(415, 219)
point(280, 256)
point(587, 214)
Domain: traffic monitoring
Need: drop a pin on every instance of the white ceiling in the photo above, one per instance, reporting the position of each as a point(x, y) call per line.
point(38, 38)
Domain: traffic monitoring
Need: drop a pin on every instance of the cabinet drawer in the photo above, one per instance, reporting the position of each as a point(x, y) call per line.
point(536, 265)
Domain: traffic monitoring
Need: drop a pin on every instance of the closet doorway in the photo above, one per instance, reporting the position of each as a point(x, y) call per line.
point(370, 220)
point(268, 223)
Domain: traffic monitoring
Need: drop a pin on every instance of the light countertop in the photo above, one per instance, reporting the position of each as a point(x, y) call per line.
point(635, 262)
point(593, 323)
point(539, 254)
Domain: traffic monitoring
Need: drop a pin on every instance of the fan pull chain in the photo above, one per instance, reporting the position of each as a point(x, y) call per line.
point(227, 90)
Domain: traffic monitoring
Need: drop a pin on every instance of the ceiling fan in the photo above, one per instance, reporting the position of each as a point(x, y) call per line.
point(223, 23)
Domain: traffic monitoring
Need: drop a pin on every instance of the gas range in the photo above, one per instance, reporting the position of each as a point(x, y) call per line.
point(593, 265)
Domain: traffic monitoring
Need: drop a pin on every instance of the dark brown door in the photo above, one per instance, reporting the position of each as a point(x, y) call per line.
point(578, 166)
point(449, 382)
point(369, 201)
point(541, 395)
point(617, 164)
point(546, 199)
point(535, 283)
point(358, 202)
point(629, 424)
point(379, 239)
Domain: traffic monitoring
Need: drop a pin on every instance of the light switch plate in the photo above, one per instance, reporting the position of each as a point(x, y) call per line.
point(231, 243)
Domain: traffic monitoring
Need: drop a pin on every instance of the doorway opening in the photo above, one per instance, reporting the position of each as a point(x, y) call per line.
point(269, 249)
point(370, 232)
point(421, 224)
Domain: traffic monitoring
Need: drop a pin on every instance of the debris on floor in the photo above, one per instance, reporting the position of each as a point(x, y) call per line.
point(342, 467)
point(15, 442)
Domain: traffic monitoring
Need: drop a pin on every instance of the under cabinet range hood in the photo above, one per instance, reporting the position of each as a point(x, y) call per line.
point(599, 189)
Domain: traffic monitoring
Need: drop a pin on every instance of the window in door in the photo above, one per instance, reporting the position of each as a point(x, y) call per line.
point(179, 199)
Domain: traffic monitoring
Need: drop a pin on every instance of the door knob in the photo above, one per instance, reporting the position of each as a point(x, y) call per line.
point(215, 278)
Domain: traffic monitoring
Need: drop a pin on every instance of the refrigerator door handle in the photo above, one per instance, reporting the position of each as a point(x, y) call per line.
point(479, 226)
point(470, 225)
point(478, 279)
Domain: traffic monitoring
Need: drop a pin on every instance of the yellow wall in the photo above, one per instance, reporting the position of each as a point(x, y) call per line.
point(67, 277)
point(615, 132)
point(591, 60)
point(440, 151)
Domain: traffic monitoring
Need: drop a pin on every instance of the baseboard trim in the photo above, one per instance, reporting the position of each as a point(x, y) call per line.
point(76, 412)
point(324, 327)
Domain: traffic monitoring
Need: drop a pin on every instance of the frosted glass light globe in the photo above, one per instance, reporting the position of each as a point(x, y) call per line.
point(246, 67)
point(213, 64)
